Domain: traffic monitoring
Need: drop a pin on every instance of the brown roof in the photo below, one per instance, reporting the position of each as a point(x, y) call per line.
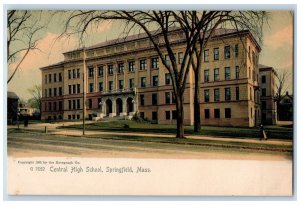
point(12, 95)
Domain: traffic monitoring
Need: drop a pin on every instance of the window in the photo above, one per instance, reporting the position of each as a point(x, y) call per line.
point(45, 92)
point(90, 103)
point(263, 105)
point(74, 73)
point(91, 72)
point(155, 81)
point(227, 52)
point(227, 73)
point(131, 66)
point(131, 82)
point(216, 74)
point(227, 112)
point(206, 95)
point(55, 91)
point(70, 104)
point(154, 98)
point(120, 68)
point(143, 64)
point(70, 89)
point(78, 73)
point(168, 116)
point(206, 75)
point(50, 78)
point(60, 77)
point(216, 94)
point(78, 117)
point(167, 97)
point(237, 93)
point(236, 50)
point(50, 92)
point(100, 70)
point(180, 57)
point(54, 77)
point(206, 53)
point(69, 74)
point(154, 116)
point(74, 88)
point(110, 69)
point(110, 85)
point(142, 115)
point(54, 106)
point(174, 114)
point(143, 82)
point(154, 63)
point(142, 99)
point(237, 72)
point(121, 84)
point(100, 86)
point(217, 113)
point(227, 94)
point(263, 92)
point(263, 79)
point(167, 79)
point(50, 106)
point(78, 104)
point(167, 59)
point(216, 53)
point(69, 117)
point(206, 113)
point(78, 88)
point(74, 104)
point(173, 98)
point(46, 79)
point(60, 107)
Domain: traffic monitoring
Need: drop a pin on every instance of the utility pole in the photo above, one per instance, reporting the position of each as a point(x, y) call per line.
point(84, 93)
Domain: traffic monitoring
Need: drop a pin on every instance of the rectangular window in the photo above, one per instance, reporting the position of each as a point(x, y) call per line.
point(217, 113)
point(74, 73)
point(168, 116)
point(90, 103)
point(74, 89)
point(167, 79)
point(180, 57)
point(100, 86)
point(216, 53)
point(263, 105)
point(227, 112)
point(110, 69)
point(54, 106)
point(154, 116)
point(142, 99)
point(143, 82)
point(154, 63)
point(78, 88)
point(100, 70)
point(50, 92)
point(236, 50)
point(78, 73)
point(167, 59)
point(227, 94)
point(206, 55)
point(110, 85)
point(206, 95)
point(155, 81)
point(50, 106)
point(174, 114)
point(73, 117)
point(69, 117)
point(143, 64)
point(173, 97)
point(54, 77)
point(46, 93)
point(74, 104)
point(227, 52)
point(206, 113)
point(60, 107)
point(206, 75)
point(227, 73)
point(154, 98)
point(60, 91)
point(70, 104)
point(263, 79)
point(216, 94)
point(131, 66)
point(69, 74)
point(46, 79)
point(55, 91)
point(216, 74)
point(60, 77)
point(78, 104)
point(50, 78)
point(264, 92)
point(120, 68)
point(237, 93)
point(237, 72)
point(91, 72)
point(167, 97)
point(78, 117)
point(121, 84)
point(131, 82)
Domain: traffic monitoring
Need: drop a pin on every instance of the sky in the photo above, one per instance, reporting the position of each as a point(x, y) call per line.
point(277, 48)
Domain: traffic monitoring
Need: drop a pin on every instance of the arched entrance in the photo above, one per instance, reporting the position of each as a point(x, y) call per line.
point(119, 106)
point(129, 105)
point(108, 107)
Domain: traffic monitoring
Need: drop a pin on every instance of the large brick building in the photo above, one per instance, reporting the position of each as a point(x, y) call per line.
point(126, 76)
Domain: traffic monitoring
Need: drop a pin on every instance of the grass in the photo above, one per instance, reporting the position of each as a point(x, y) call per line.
point(273, 132)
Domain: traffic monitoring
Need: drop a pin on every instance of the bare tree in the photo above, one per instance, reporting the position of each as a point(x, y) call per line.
point(36, 100)
point(280, 84)
point(22, 31)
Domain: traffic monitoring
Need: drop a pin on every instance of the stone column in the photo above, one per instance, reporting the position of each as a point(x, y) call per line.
point(114, 104)
point(124, 104)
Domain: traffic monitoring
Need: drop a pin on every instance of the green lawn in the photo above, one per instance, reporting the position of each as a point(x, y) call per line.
point(274, 132)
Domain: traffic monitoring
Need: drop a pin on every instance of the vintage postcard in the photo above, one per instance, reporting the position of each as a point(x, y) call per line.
point(150, 102)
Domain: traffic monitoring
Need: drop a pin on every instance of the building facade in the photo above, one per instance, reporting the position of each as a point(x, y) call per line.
point(267, 97)
point(126, 77)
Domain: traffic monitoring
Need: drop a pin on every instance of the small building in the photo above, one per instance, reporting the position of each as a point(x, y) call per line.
point(12, 107)
point(285, 108)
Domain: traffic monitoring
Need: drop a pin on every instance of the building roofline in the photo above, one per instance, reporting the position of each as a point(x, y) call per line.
point(53, 65)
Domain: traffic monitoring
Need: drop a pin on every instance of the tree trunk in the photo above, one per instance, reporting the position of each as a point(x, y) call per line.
point(179, 107)
point(197, 125)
